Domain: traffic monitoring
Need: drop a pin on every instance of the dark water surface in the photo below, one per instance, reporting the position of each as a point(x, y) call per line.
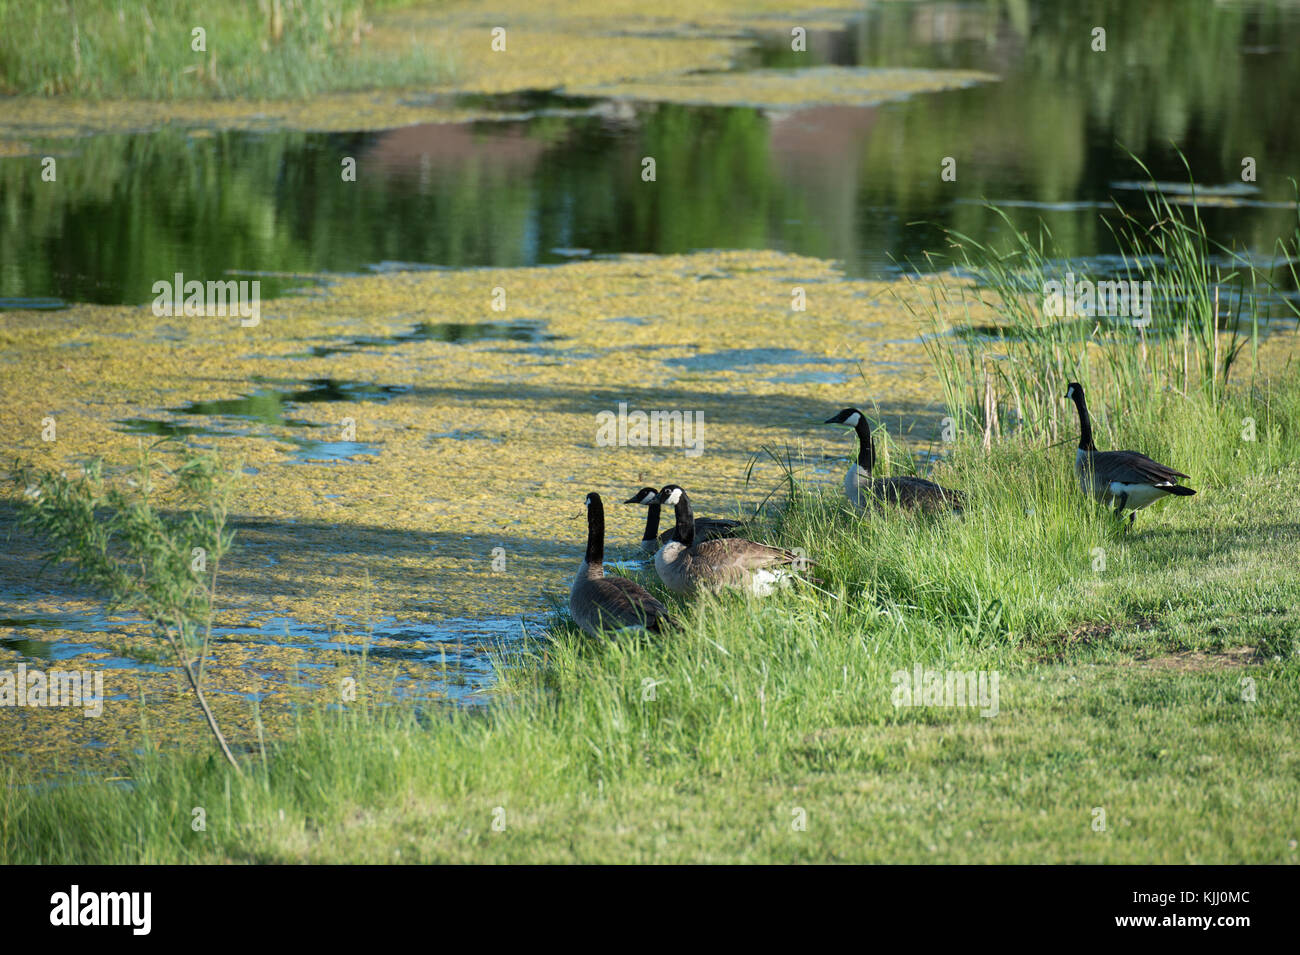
point(860, 185)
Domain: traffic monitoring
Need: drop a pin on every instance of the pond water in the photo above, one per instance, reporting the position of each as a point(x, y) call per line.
point(859, 185)
point(454, 654)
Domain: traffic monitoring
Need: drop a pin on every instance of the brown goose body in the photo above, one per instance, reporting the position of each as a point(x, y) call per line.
point(600, 604)
point(688, 566)
point(862, 488)
point(907, 491)
point(1128, 480)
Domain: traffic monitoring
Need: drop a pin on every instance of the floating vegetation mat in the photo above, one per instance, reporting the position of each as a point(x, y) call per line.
point(27, 117)
point(790, 89)
point(620, 49)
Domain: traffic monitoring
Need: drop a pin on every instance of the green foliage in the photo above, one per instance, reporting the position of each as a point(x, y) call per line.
point(117, 541)
point(1009, 377)
point(253, 48)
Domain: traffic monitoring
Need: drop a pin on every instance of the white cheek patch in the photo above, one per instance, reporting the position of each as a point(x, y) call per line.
point(853, 419)
point(674, 497)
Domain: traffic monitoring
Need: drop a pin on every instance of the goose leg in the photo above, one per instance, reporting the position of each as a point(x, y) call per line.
point(1119, 505)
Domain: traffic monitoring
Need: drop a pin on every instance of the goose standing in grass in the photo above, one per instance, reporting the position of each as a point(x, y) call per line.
point(906, 490)
point(687, 565)
point(1130, 479)
point(603, 604)
point(706, 528)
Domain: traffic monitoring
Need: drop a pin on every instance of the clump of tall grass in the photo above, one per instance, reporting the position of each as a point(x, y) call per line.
point(263, 49)
point(116, 540)
point(1005, 372)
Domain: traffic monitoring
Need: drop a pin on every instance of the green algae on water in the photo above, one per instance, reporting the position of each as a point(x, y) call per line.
point(790, 89)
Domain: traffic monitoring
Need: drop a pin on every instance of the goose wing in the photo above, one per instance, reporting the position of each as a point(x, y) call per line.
point(628, 603)
point(1132, 467)
point(735, 552)
point(916, 492)
point(707, 528)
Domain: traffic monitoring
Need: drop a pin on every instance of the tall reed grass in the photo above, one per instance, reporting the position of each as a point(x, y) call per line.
point(1004, 365)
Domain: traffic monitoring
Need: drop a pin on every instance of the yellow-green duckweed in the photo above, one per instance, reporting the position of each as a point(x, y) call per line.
point(483, 446)
point(590, 48)
point(790, 89)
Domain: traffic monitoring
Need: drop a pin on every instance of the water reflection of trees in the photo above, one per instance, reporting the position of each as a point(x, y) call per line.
point(845, 184)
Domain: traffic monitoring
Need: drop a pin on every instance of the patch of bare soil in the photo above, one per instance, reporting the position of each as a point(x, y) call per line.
point(1200, 661)
point(1058, 646)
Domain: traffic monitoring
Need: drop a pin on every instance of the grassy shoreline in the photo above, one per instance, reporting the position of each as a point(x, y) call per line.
point(1121, 690)
point(264, 51)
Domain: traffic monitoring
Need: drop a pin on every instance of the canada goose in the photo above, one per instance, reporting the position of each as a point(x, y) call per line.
point(905, 490)
point(599, 603)
point(706, 528)
point(686, 565)
point(1130, 479)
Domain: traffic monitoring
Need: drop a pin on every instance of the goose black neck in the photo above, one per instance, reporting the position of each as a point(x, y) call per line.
point(1085, 422)
point(595, 532)
point(866, 446)
point(651, 523)
point(685, 521)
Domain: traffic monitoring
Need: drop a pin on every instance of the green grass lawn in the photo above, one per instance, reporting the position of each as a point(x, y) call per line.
point(766, 731)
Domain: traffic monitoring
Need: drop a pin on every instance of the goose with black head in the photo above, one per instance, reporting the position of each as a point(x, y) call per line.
point(1129, 480)
point(706, 528)
point(861, 487)
point(603, 605)
point(687, 565)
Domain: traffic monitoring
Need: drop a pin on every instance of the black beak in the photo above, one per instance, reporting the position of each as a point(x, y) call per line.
point(633, 500)
point(834, 420)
